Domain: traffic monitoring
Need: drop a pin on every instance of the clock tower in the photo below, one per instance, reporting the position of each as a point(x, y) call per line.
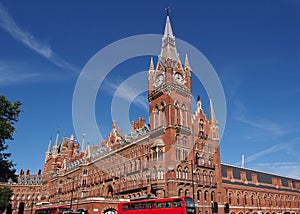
point(169, 95)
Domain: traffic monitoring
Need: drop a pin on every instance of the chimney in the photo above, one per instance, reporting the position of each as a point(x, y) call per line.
point(229, 173)
point(254, 177)
point(243, 175)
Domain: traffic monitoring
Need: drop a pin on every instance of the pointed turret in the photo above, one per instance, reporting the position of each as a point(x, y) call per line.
point(82, 144)
point(212, 115)
point(151, 67)
point(48, 153)
point(55, 147)
point(49, 146)
point(199, 104)
point(187, 63)
point(168, 49)
point(88, 151)
point(187, 69)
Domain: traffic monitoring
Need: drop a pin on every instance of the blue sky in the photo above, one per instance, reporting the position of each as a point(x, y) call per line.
point(253, 46)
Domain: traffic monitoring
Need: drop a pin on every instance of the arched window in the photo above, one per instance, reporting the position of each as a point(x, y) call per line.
point(252, 200)
point(204, 177)
point(205, 195)
point(184, 154)
point(178, 154)
point(186, 172)
point(160, 174)
point(210, 178)
point(160, 154)
point(209, 162)
point(197, 157)
point(183, 115)
point(198, 195)
point(202, 160)
point(178, 173)
point(212, 196)
point(197, 175)
point(180, 192)
point(184, 140)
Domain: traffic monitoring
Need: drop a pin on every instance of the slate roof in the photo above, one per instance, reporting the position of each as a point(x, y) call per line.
point(262, 177)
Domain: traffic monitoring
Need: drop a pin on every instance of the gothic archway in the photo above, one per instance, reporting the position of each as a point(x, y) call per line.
point(110, 191)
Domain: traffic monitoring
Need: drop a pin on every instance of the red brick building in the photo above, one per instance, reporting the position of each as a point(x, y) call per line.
point(176, 154)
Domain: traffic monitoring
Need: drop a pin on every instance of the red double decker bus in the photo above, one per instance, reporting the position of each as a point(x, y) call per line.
point(52, 210)
point(176, 205)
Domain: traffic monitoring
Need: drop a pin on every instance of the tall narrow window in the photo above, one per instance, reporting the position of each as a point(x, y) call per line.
point(160, 154)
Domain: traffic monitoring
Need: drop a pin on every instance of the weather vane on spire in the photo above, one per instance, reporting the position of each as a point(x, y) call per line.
point(168, 10)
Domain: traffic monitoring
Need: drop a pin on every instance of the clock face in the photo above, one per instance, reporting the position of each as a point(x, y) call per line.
point(159, 80)
point(178, 78)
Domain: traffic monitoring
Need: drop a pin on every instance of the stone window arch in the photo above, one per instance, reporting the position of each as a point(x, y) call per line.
point(178, 172)
point(212, 196)
point(198, 195)
point(160, 154)
point(204, 177)
point(211, 178)
point(186, 173)
point(180, 192)
point(205, 195)
point(160, 173)
point(197, 158)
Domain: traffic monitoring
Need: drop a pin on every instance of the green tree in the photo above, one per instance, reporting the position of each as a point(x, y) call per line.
point(9, 115)
point(5, 195)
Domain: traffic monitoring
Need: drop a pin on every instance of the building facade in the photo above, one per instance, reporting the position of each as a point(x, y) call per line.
point(176, 154)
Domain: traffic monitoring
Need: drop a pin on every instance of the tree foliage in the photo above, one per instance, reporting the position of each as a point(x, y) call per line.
point(9, 115)
point(5, 195)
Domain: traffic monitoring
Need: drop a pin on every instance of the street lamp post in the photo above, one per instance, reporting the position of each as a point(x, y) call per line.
point(71, 192)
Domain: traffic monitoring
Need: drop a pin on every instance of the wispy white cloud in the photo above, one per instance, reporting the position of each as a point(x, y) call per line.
point(43, 48)
point(10, 74)
point(265, 152)
point(126, 92)
point(288, 169)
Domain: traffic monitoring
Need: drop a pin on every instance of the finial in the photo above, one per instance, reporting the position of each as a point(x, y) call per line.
point(151, 67)
point(186, 63)
point(168, 10)
point(49, 145)
point(57, 136)
point(199, 103)
point(83, 139)
point(212, 111)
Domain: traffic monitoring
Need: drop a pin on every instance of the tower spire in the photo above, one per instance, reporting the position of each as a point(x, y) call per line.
point(56, 139)
point(168, 49)
point(82, 144)
point(49, 145)
point(55, 147)
point(151, 67)
point(187, 63)
point(212, 115)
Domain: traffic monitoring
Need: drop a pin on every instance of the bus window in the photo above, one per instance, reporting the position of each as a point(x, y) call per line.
point(177, 203)
point(143, 205)
point(125, 206)
point(190, 206)
point(158, 205)
point(134, 206)
point(169, 204)
point(189, 202)
point(149, 205)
